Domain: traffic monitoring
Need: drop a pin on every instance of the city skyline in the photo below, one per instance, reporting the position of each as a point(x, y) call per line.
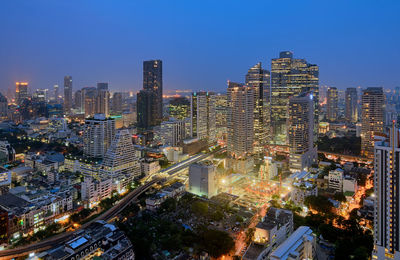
point(116, 38)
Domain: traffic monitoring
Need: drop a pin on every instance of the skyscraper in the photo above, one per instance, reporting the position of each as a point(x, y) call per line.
point(290, 77)
point(120, 161)
point(56, 93)
point(145, 109)
point(117, 103)
point(21, 92)
point(387, 198)
point(303, 153)
point(179, 108)
point(98, 134)
point(372, 119)
point(90, 99)
point(79, 99)
point(3, 107)
point(202, 114)
point(102, 101)
point(152, 81)
point(67, 94)
point(332, 104)
point(258, 78)
point(102, 86)
point(351, 101)
point(240, 119)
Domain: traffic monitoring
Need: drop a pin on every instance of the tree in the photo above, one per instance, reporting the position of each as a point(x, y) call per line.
point(168, 205)
point(216, 242)
point(319, 203)
point(339, 196)
point(250, 235)
point(200, 207)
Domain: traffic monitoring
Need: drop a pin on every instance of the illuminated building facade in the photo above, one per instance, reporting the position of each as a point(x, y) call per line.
point(259, 79)
point(90, 98)
point(152, 81)
point(203, 179)
point(290, 77)
point(179, 108)
point(372, 119)
point(173, 132)
point(67, 94)
point(303, 153)
point(387, 201)
point(202, 115)
point(240, 119)
point(98, 134)
point(332, 104)
point(220, 115)
point(102, 102)
point(120, 161)
point(351, 101)
point(21, 92)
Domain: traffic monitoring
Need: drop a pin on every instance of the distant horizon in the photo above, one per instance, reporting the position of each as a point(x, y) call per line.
point(353, 44)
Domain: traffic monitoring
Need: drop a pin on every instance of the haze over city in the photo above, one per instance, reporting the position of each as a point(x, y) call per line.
point(202, 44)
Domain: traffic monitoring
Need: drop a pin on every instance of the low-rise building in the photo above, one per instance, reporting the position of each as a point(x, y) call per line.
point(172, 191)
point(336, 180)
point(301, 245)
point(96, 189)
point(99, 239)
point(301, 190)
point(149, 166)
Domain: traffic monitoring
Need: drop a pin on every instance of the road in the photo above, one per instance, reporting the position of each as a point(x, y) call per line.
point(109, 214)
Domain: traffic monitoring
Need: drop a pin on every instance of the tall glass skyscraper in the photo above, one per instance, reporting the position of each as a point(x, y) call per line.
point(290, 77)
point(152, 81)
point(67, 94)
point(351, 102)
point(259, 79)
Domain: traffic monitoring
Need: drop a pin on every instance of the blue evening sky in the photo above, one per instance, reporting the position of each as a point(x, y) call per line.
point(202, 43)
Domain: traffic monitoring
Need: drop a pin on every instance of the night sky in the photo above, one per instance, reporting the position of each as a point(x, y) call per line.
point(202, 43)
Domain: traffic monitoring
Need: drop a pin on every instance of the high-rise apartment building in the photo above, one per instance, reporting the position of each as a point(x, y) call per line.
point(202, 115)
point(220, 115)
point(351, 102)
point(332, 104)
point(67, 94)
point(387, 198)
point(79, 99)
point(173, 132)
point(303, 153)
point(203, 179)
point(240, 119)
point(21, 92)
point(98, 133)
point(372, 119)
point(259, 78)
point(120, 161)
point(152, 81)
point(290, 77)
point(56, 93)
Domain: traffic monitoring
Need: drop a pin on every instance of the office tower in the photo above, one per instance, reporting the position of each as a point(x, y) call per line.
point(102, 101)
point(79, 99)
point(56, 93)
point(351, 100)
point(67, 94)
point(332, 104)
point(117, 103)
point(120, 159)
point(102, 86)
point(258, 78)
point(203, 179)
point(290, 77)
point(387, 200)
point(3, 107)
point(21, 92)
point(179, 108)
point(98, 133)
point(371, 119)
point(202, 115)
point(145, 109)
point(220, 116)
point(303, 153)
point(173, 132)
point(240, 118)
point(152, 81)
